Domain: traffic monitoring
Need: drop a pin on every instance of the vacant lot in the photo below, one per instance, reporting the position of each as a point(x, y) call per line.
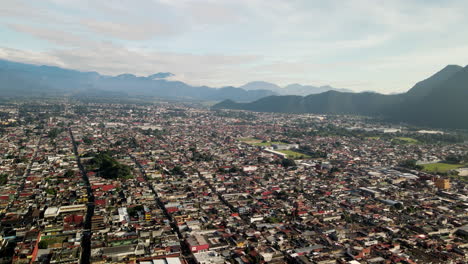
point(267, 144)
point(250, 140)
point(407, 140)
point(258, 142)
point(294, 155)
point(440, 167)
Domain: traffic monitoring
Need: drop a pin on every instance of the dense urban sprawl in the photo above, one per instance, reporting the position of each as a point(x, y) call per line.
point(172, 183)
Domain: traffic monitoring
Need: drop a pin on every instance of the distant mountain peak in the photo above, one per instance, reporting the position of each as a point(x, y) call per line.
point(21, 79)
point(260, 85)
point(299, 89)
point(292, 85)
point(126, 76)
point(449, 66)
point(424, 87)
point(439, 101)
point(260, 82)
point(160, 75)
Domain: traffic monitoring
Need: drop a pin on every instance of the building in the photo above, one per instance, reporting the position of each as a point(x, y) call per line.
point(442, 183)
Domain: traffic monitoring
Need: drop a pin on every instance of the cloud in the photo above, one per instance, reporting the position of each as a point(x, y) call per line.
point(27, 10)
point(128, 31)
point(379, 45)
point(108, 58)
point(210, 12)
point(51, 35)
point(38, 58)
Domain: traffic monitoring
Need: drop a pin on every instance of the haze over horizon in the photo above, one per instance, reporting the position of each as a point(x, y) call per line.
point(359, 44)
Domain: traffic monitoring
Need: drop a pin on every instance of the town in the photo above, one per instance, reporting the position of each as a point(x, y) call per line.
point(177, 183)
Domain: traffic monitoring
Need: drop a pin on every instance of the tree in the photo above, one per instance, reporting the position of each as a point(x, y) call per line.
point(108, 167)
point(51, 191)
point(133, 211)
point(3, 179)
point(410, 164)
point(42, 244)
point(53, 133)
point(288, 163)
point(177, 170)
point(68, 174)
point(453, 159)
point(87, 140)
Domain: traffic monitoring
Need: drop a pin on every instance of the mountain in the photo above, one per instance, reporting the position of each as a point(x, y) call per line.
point(298, 89)
point(445, 105)
point(160, 75)
point(439, 101)
point(330, 102)
point(424, 87)
point(259, 85)
point(292, 89)
point(20, 79)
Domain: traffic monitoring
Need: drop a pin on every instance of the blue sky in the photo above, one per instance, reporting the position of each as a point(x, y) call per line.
point(380, 45)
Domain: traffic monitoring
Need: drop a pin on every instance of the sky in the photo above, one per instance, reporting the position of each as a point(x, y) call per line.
point(380, 45)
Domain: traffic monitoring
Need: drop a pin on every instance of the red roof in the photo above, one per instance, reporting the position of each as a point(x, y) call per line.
point(76, 219)
point(172, 209)
point(107, 187)
point(100, 202)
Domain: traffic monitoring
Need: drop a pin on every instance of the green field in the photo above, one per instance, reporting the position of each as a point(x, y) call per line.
point(267, 144)
point(294, 155)
point(407, 140)
point(258, 142)
point(249, 140)
point(440, 167)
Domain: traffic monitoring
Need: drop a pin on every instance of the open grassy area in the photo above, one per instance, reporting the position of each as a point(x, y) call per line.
point(258, 142)
point(294, 155)
point(408, 140)
point(373, 137)
point(267, 144)
point(250, 140)
point(440, 167)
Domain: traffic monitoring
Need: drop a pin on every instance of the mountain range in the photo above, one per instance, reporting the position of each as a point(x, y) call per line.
point(20, 79)
point(438, 101)
point(292, 89)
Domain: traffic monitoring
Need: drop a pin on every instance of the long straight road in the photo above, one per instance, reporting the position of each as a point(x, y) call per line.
point(187, 253)
point(27, 171)
point(86, 239)
point(185, 250)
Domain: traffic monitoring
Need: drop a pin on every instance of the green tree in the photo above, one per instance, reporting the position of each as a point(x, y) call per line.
point(107, 167)
point(410, 164)
point(87, 140)
point(177, 170)
point(3, 179)
point(42, 244)
point(288, 163)
point(453, 159)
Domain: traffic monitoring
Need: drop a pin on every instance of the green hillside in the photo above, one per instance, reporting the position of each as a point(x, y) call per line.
point(439, 101)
